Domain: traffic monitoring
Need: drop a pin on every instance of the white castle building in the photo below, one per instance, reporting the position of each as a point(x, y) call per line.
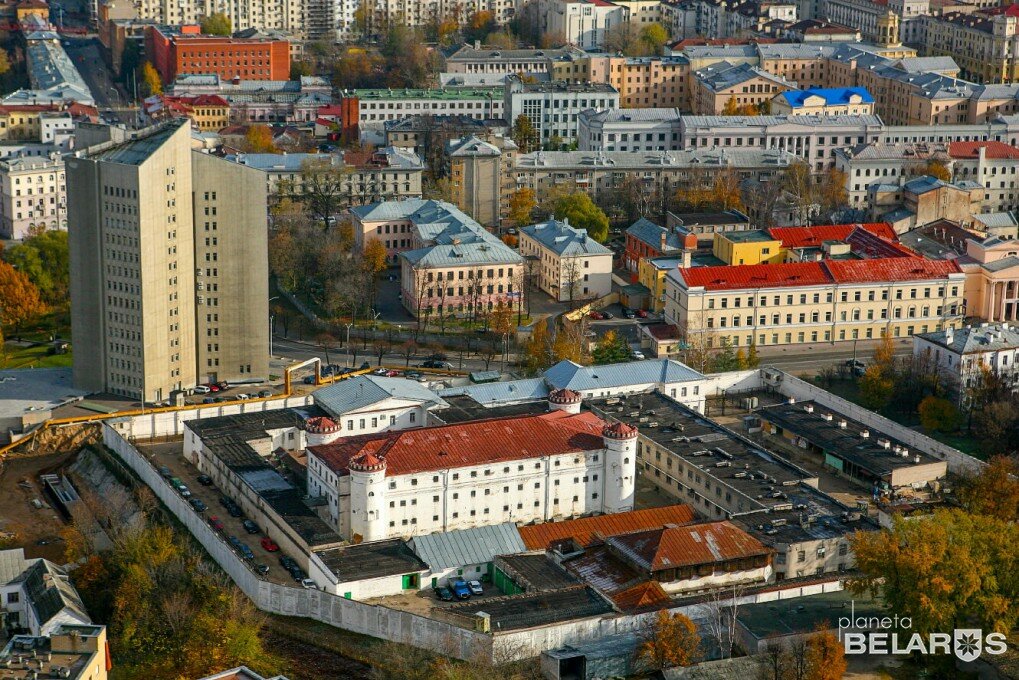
point(400, 483)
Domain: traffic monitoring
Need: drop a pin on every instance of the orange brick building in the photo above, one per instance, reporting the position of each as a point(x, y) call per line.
point(184, 50)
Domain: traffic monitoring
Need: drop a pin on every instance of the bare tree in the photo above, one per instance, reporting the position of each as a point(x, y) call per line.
point(722, 610)
point(322, 188)
point(409, 348)
point(571, 279)
point(531, 265)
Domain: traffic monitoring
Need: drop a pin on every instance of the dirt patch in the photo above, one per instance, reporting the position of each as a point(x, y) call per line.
point(305, 661)
point(38, 530)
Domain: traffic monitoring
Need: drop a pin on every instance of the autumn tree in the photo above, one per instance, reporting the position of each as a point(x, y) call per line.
point(20, 301)
point(150, 77)
point(502, 39)
point(5, 62)
point(258, 139)
point(668, 641)
point(521, 205)
point(625, 38)
point(216, 23)
point(826, 657)
point(479, 25)
point(876, 388)
point(884, 354)
point(939, 415)
point(653, 37)
point(441, 189)
point(932, 168)
point(731, 106)
point(953, 569)
point(284, 259)
point(994, 492)
point(582, 213)
point(524, 134)
point(323, 189)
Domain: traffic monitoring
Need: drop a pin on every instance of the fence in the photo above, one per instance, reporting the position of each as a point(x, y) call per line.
point(374, 620)
point(170, 422)
point(958, 462)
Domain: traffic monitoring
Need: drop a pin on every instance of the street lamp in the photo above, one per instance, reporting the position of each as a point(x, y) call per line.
point(347, 343)
point(272, 318)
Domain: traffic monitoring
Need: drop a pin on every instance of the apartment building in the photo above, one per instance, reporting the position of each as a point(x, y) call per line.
point(651, 129)
point(371, 109)
point(646, 240)
point(292, 16)
point(962, 355)
point(990, 165)
point(544, 467)
point(603, 172)
point(984, 43)
point(841, 101)
point(583, 23)
point(832, 300)
point(642, 82)
point(33, 195)
point(571, 265)
point(207, 112)
point(183, 50)
point(481, 174)
point(713, 87)
point(74, 652)
point(891, 23)
point(554, 107)
point(476, 59)
point(169, 272)
point(428, 135)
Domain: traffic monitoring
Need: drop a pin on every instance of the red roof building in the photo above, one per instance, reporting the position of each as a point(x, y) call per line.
point(741, 277)
point(972, 150)
point(587, 531)
point(670, 553)
point(469, 444)
point(807, 237)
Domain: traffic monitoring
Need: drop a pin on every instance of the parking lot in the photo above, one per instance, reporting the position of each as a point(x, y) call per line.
point(170, 455)
point(423, 601)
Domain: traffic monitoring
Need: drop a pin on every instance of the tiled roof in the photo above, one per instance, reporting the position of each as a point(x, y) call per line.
point(472, 443)
point(890, 269)
point(803, 237)
point(689, 545)
point(972, 150)
point(728, 277)
point(586, 530)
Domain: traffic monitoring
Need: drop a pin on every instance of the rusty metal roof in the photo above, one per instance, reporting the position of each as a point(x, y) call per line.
point(589, 530)
point(690, 545)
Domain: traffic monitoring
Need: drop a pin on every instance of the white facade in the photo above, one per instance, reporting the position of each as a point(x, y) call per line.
point(571, 265)
point(33, 194)
point(375, 505)
point(375, 107)
point(554, 108)
point(584, 23)
point(629, 130)
point(962, 355)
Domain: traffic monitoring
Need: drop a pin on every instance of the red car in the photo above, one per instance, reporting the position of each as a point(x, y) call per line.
point(642, 313)
point(269, 545)
point(596, 315)
point(215, 523)
point(213, 387)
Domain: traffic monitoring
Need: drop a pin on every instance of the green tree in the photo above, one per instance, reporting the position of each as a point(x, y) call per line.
point(753, 358)
point(612, 349)
point(582, 213)
point(654, 36)
point(150, 77)
point(939, 415)
point(45, 259)
point(727, 359)
point(876, 388)
point(524, 134)
point(216, 23)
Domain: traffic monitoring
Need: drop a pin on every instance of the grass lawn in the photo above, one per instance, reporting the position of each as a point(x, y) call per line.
point(34, 357)
point(963, 441)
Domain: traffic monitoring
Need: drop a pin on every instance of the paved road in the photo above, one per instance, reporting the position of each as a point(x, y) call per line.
point(84, 52)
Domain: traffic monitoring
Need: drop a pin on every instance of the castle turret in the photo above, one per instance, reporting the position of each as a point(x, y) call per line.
point(322, 430)
point(368, 497)
point(564, 400)
point(620, 467)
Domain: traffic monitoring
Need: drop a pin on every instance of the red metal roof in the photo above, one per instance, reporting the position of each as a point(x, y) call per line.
point(890, 269)
point(589, 530)
point(972, 150)
point(640, 596)
point(468, 444)
point(806, 237)
point(688, 545)
point(738, 277)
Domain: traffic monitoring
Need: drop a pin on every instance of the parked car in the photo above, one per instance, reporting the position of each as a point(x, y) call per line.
point(246, 552)
point(475, 587)
point(269, 544)
point(638, 355)
point(444, 593)
point(596, 315)
point(642, 313)
point(856, 366)
point(364, 366)
point(184, 491)
point(309, 380)
point(250, 526)
point(234, 541)
point(198, 504)
point(298, 574)
point(202, 389)
point(438, 356)
point(412, 375)
point(231, 507)
point(265, 393)
point(287, 562)
point(208, 400)
point(629, 313)
point(175, 482)
point(308, 583)
point(205, 480)
point(435, 363)
point(262, 569)
point(165, 472)
point(606, 315)
point(223, 385)
point(215, 523)
point(460, 589)
point(380, 371)
point(213, 387)
point(243, 396)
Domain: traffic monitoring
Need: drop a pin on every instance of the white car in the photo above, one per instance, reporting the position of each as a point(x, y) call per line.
point(243, 396)
point(639, 356)
point(202, 389)
point(308, 583)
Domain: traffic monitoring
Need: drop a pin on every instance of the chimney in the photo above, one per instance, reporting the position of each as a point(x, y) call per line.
point(477, 44)
point(949, 335)
point(663, 237)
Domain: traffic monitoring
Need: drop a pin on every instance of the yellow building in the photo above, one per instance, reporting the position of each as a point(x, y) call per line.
point(747, 247)
point(651, 274)
point(21, 123)
point(811, 302)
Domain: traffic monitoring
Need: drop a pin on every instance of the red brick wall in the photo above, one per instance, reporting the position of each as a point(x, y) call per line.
point(226, 57)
